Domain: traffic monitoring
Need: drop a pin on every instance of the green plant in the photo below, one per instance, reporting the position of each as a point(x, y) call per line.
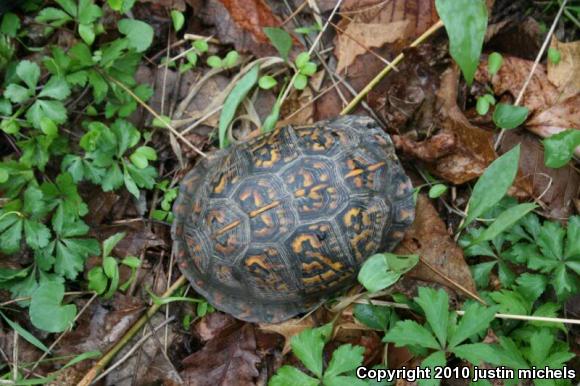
point(559, 148)
point(105, 280)
point(483, 103)
point(169, 195)
point(443, 335)
point(382, 270)
point(84, 13)
point(308, 347)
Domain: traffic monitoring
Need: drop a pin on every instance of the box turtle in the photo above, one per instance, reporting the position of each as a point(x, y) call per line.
point(272, 227)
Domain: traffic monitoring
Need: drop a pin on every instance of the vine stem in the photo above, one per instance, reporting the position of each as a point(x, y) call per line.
point(104, 361)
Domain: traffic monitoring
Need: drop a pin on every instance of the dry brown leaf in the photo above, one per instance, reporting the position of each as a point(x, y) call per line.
point(558, 188)
point(227, 359)
point(241, 22)
point(566, 74)
point(428, 238)
point(554, 119)
point(289, 329)
point(358, 38)
point(213, 325)
point(510, 79)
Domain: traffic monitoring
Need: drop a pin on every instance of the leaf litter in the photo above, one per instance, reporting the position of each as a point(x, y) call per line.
point(424, 104)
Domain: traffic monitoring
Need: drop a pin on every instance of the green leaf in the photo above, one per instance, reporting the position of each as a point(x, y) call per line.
point(55, 88)
point(531, 286)
point(511, 302)
point(494, 62)
point(178, 20)
point(376, 317)
point(42, 108)
point(266, 82)
point(477, 353)
point(11, 226)
point(290, 376)
point(302, 59)
point(280, 39)
point(384, 269)
point(308, 346)
point(410, 333)
point(476, 320)
point(53, 16)
point(300, 82)
point(37, 234)
point(214, 61)
point(435, 304)
point(573, 237)
point(46, 311)
point(344, 359)
point(554, 55)
point(139, 34)
point(308, 69)
point(29, 73)
point(541, 343)
point(564, 283)
point(87, 33)
point(10, 24)
point(465, 22)
point(505, 221)
point(201, 45)
point(17, 93)
point(69, 6)
point(509, 116)
point(559, 148)
point(48, 127)
point(142, 155)
point(437, 359)
point(493, 184)
point(551, 240)
point(482, 106)
point(437, 190)
point(481, 273)
point(25, 334)
point(343, 380)
point(510, 355)
point(111, 242)
point(231, 59)
point(234, 99)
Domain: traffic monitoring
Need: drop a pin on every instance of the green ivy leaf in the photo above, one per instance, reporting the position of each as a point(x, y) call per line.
point(46, 311)
point(560, 147)
point(466, 23)
point(280, 39)
point(139, 34)
point(509, 116)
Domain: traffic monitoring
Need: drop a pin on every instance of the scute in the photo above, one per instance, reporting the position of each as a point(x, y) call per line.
point(272, 227)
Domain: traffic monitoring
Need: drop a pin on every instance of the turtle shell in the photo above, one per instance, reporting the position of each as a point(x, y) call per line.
point(272, 227)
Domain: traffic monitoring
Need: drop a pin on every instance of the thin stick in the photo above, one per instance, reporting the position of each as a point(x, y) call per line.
point(100, 365)
point(534, 66)
point(165, 323)
point(434, 28)
point(497, 316)
point(154, 113)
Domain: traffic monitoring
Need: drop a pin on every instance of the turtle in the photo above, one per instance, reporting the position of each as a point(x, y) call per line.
point(272, 227)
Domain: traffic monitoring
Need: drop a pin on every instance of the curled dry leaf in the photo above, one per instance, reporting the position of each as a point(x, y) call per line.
point(240, 22)
point(227, 359)
point(429, 239)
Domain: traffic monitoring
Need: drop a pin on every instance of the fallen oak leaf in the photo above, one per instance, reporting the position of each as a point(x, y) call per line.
point(564, 74)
